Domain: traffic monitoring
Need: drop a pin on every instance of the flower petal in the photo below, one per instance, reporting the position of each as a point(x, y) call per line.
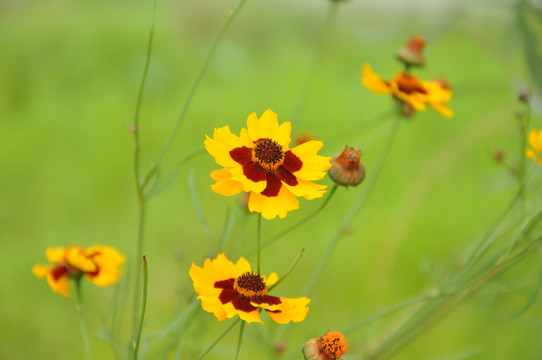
point(271, 207)
point(224, 184)
point(76, 257)
point(314, 166)
point(108, 261)
point(222, 142)
point(55, 255)
point(267, 126)
point(307, 189)
point(372, 81)
point(290, 310)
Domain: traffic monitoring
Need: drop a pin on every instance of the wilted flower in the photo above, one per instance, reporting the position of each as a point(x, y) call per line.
point(412, 53)
point(331, 346)
point(259, 161)
point(227, 289)
point(535, 140)
point(99, 264)
point(346, 168)
point(407, 88)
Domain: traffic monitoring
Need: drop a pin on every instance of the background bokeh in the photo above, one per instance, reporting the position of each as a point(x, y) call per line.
point(69, 74)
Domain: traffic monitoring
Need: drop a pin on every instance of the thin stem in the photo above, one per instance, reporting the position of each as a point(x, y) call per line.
point(302, 221)
point(292, 267)
point(240, 340)
point(304, 94)
point(143, 306)
point(439, 310)
point(354, 209)
point(82, 324)
point(139, 251)
point(523, 131)
point(195, 85)
point(258, 241)
point(140, 188)
point(218, 339)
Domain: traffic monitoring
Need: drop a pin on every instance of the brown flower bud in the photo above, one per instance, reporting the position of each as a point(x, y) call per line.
point(412, 53)
point(331, 346)
point(524, 96)
point(499, 156)
point(346, 168)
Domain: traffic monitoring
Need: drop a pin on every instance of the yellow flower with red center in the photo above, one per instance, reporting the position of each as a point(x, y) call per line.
point(99, 264)
point(535, 140)
point(227, 289)
point(409, 89)
point(260, 162)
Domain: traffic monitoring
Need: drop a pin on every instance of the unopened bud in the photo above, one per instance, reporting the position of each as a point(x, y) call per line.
point(412, 53)
point(346, 168)
point(524, 96)
point(499, 156)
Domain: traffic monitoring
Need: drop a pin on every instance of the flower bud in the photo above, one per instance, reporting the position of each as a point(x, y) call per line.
point(412, 53)
point(346, 168)
point(331, 346)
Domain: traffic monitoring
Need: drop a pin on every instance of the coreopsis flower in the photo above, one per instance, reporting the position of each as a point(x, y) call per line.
point(330, 346)
point(260, 162)
point(346, 169)
point(535, 140)
point(227, 289)
point(99, 264)
point(407, 88)
point(412, 53)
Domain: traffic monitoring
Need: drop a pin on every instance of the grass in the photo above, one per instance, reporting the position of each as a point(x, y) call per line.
point(69, 75)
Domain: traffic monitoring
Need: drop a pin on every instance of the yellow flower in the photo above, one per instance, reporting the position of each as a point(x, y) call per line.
point(409, 89)
point(259, 162)
point(535, 139)
point(227, 289)
point(99, 264)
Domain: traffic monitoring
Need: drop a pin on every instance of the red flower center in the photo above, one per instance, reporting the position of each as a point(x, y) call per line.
point(268, 154)
point(250, 285)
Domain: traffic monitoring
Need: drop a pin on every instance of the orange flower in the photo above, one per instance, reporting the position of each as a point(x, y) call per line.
point(407, 88)
point(331, 346)
point(99, 264)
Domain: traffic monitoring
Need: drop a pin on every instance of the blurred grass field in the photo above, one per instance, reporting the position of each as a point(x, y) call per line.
point(69, 74)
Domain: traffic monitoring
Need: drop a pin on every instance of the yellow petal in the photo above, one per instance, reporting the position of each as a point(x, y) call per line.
point(265, 306)
point(40, 271)
point(224, 185)
point(266, 126)
point(55, 255)
point(314, 165)
point(283, 135)
point(530, 154)
point(372, 81)
point(273, 278)
point(238, 175)
point(271, 207)
point(250, 317)
point(291, 310)
point(76, 257)
point(307, 189)
point(222, 142)
point(59, 285)
point(108, 261)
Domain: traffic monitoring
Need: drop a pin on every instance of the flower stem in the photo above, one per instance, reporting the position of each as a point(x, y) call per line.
point(304, 220)
point(288, 272)
point(258, 242)
point(241, 330)
point(218, 339)
point(143, 306)
point(82, 325)
point(354, 209)
point(195, 85)
point(523, 133)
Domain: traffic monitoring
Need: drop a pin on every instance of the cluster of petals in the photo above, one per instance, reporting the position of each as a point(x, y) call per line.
point(407, 88)
point(535, 140)
point(99, 264)
point(260, 162)
point(229, 289)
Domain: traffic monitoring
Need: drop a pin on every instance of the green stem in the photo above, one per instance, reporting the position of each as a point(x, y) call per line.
point(139, 252)
point(240, 340)
point(195, 85)
point(304, 220)
point(354, 209)
point(311, 76)
point(218, 339)
point(432, 314)
point(82, 325)
point(143, 306)
point(523, 131)
point(288, 272)
point(258, 241)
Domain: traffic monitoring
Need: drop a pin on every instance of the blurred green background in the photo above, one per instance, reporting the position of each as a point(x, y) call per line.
point(69, 75)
